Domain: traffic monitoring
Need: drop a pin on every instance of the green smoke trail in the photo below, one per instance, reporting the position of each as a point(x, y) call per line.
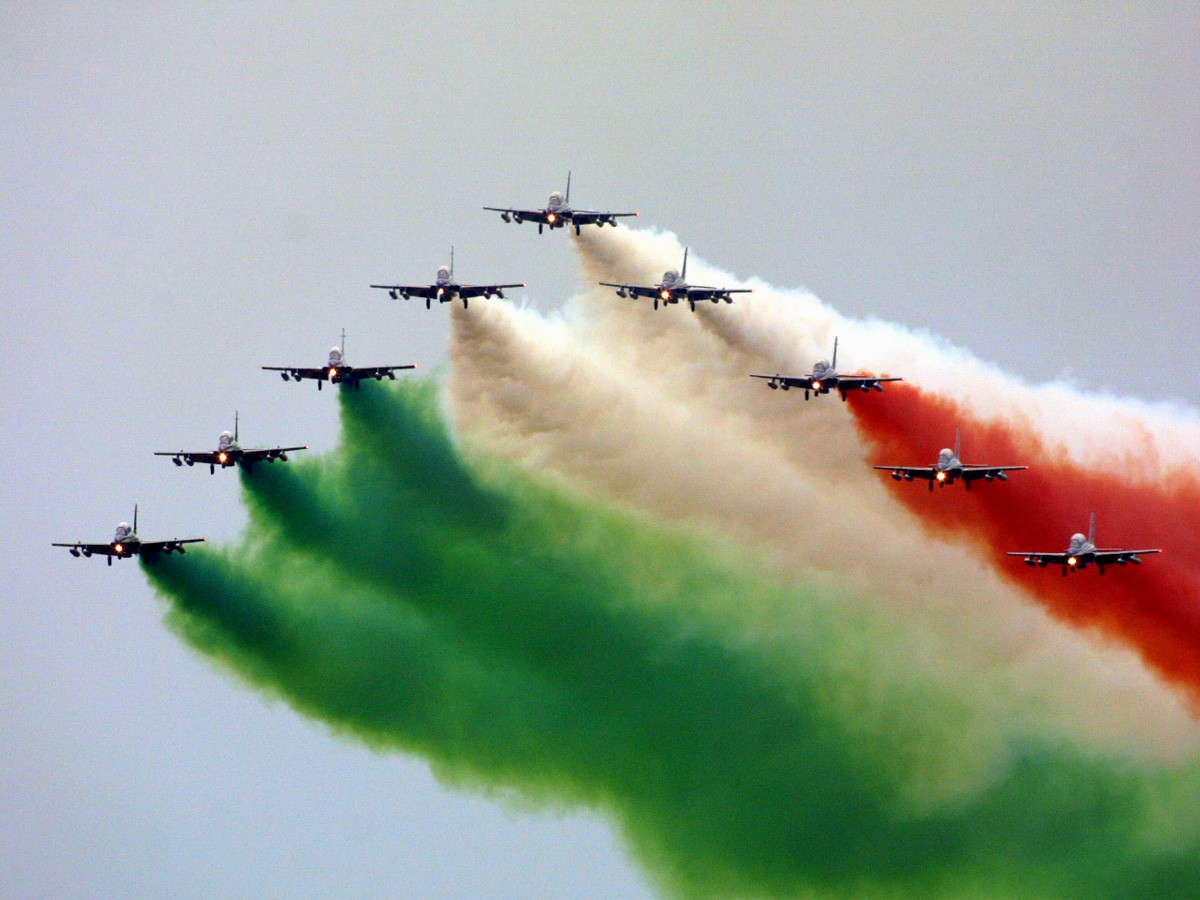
point(523, 639)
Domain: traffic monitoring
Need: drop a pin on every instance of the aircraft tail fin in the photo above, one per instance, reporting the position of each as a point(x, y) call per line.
point(235, 425)
point(343, 343)
point(135, 518)
point(957, 444)
point(683, 273)
point(567, 196)
point(1092, 530)
point(833, 362)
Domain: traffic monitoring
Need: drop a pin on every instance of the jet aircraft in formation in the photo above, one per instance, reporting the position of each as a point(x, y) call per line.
point(337, 371)
point(558, 213)
point(674, 288)
point(825, 378)
point(949, 468)
point(445, 289)
point(1082, 551)
point(230, 453)
point(126, 543)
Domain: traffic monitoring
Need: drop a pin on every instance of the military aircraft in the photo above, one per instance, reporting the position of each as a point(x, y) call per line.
point(949, 468)
point(337, 370)
point(825, 378)
point(445, 289)
point(1082, 551)
point(558, 213)
point(674, 287)
point(230, 453)
point(126, 543)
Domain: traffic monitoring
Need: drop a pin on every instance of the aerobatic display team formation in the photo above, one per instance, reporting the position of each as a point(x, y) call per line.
point(1081, 550)
point(595, 565)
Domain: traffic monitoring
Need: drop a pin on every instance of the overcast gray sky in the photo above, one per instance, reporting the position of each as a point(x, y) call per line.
point(192, 191)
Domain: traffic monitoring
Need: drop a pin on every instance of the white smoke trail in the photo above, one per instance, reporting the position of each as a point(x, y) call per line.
point(654, 410)
point(775, 330)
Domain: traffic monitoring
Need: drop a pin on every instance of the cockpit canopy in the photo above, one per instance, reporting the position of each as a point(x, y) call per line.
point(335, 355)
point(671, 276)
point(443, 273)
point(821, 366)
point(556, 200)
point(1078, 540)
point(945, 455)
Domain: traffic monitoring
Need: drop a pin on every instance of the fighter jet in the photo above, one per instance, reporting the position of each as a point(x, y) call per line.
point(825, 378)
point(558, 213)
point(445, 289)
point(126, 543)
point(337, 370)
point(674, 287)
point(949, 468)
point(230, 453)
point(1082, 551)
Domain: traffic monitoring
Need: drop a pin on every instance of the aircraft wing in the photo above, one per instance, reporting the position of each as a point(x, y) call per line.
point(853, 382)
point(1110, 556)
point(319, 374)
point(634, 290)
point(697, 294)
point(150, 548)
point(260, 454)
point(788, 381)
point(973, 473)
point(89, 549)
point(358, 373)
point(521, 215)
point(928, 473)
point(484, 290)
point(703, 290)
point(592, 216)
point(1057, 559)
point(424, 291)
point(206, 457)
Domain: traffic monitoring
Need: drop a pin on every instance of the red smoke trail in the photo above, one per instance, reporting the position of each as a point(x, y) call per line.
point(1139, 502)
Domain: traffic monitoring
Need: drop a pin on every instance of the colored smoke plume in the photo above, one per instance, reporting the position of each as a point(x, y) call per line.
point(1154, 607)
point(1136, 464)
point(523, 638)
point(653, 409)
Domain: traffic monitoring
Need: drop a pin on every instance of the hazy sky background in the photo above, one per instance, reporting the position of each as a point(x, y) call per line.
point(191, 192)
